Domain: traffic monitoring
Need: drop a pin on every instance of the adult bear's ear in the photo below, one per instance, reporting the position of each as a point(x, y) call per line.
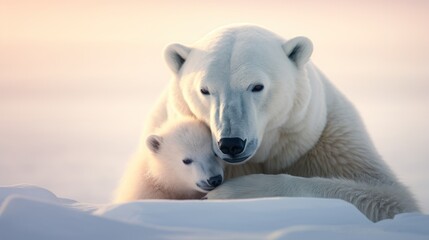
point(298, 50)
point(175, 55)
point(153, 142)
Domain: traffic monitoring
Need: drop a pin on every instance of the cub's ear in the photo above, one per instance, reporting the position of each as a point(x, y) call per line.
point(175, 55)
point(298, 50)
point(153, 142)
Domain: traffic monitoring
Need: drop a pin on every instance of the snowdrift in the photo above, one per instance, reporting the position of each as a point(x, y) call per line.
point(30, 212)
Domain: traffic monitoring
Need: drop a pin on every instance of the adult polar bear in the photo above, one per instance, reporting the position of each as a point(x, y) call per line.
point(282, 126)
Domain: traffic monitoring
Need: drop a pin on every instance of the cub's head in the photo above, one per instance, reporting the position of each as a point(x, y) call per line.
point(242, 81)
point(182, 157)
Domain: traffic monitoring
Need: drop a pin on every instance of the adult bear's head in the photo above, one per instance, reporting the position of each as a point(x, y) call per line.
point(243, 81)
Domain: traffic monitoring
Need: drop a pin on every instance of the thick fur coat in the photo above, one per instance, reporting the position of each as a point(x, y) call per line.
point(298, 136)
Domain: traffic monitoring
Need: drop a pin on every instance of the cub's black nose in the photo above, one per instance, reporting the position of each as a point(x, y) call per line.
point(231, 146)
point(215, 181)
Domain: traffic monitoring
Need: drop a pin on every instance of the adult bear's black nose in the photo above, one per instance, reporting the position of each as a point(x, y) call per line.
point(231, 146)
point(215, 181)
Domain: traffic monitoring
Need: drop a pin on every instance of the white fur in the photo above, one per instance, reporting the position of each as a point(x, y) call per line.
point(158, 171)
point(304, 138)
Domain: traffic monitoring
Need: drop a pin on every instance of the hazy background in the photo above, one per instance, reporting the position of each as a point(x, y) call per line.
point(77, 79)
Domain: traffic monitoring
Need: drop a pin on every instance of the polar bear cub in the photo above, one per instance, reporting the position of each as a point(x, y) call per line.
point(176, 162)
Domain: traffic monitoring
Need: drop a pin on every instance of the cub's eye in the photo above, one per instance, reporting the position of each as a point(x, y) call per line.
point(204, 91)
point(187, 161)
point(257, 88)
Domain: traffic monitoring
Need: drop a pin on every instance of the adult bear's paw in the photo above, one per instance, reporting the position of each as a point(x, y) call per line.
point(251, 186)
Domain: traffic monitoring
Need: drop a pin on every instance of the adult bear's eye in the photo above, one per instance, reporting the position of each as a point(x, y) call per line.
point(204, 91)
point(187, 161)
point(257, 88)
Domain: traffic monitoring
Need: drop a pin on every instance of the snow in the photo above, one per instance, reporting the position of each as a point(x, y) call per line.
point(31, 212)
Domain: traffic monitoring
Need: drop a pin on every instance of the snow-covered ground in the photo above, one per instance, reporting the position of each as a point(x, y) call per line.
point(30, 212)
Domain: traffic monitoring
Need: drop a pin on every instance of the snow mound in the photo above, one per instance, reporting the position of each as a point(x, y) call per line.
point(29, 212)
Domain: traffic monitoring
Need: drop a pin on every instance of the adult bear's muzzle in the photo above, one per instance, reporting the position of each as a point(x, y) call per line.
point(232, 146)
